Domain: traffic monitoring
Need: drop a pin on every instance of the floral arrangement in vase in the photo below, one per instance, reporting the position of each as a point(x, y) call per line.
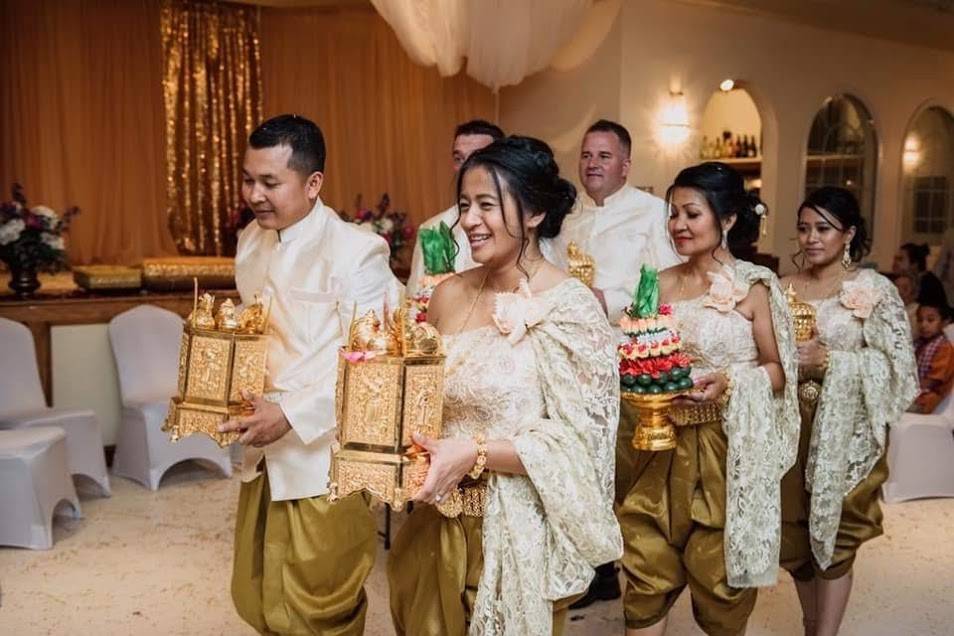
point(391, 225)
point(32, 240)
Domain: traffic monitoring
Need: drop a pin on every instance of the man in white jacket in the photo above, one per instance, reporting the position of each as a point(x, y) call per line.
point(468, 138)
point(300, 561)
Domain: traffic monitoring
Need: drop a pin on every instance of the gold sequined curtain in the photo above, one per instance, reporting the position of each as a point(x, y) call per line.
point(213, 100)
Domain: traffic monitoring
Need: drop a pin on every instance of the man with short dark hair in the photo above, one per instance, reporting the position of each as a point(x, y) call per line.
point(468, 138)
point(621, 228)
point(300, 561)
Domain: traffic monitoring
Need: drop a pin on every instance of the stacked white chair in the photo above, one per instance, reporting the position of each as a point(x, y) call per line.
point(921, 455)
point(34, 480)
point(22, 405)
point(145, 342)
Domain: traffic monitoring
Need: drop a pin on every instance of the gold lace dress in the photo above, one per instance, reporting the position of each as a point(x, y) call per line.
point(707, 513)
point(545, 377)
point(830, 497)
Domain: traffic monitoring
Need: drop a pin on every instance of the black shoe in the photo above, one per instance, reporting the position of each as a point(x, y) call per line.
point(604, 587)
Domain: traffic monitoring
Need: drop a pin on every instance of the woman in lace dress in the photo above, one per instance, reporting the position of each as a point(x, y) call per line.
point(516, 510)
point(707, 513)
point(863, 358)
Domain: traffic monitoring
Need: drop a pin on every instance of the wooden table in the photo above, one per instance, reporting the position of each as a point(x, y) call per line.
point(77, 307)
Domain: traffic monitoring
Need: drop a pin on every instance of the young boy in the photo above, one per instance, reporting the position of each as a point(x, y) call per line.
point(935, 356)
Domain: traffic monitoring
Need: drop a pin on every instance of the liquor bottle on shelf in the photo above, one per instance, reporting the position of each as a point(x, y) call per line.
point(704, 148)
point(752, 150)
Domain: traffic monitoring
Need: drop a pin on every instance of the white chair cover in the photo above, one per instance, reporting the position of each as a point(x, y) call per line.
point(145, 342)
point(34, 482)
point(22, 405)
point(921, 455)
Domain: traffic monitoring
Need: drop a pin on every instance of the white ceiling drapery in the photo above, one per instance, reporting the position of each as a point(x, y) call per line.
point(503, 41)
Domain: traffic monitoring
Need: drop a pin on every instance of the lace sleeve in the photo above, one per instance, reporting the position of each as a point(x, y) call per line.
point(762, 430)
point(863, 391)
point(545, 533)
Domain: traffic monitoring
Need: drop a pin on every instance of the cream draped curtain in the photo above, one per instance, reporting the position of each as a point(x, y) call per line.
point(503, 41)
point(388, 123)
point(83, 114)
point(81, 120)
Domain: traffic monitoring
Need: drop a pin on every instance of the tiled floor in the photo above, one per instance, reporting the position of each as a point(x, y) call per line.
point(159, 563)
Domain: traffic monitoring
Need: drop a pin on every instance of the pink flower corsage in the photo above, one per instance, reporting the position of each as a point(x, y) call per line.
point(859, 297)
point(515, 313)
point(725, 292)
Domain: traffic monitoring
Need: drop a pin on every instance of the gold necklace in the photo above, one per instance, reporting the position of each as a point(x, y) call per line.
point(830, 290)
point(473, 304)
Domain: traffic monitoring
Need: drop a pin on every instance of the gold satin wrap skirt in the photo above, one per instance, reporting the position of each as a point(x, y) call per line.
point(300, 565)
point(860, 515)
point(673, 521)
point(434, 569)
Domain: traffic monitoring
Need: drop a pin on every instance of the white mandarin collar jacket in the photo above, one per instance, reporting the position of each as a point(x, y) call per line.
point(313, 273)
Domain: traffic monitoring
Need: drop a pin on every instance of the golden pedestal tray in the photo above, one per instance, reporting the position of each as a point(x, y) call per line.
point(654, 430)
point(219, 358)
point(390, 385)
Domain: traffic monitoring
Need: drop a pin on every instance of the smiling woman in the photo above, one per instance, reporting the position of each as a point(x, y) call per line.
point(518, 441)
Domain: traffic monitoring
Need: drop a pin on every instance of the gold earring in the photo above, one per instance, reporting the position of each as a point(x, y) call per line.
point(846, 256)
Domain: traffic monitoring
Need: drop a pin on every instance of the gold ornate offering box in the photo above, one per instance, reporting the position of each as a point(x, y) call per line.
point(803, 320)
point(390, 385)
point(218, 359)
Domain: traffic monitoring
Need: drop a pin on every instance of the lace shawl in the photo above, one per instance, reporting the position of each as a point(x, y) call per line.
point(864, 391)
point(544, 533)
point(762, 431)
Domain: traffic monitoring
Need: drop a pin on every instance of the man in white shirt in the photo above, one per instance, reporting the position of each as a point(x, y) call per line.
point(468, 138)
point(621, 228)
point(300, 561)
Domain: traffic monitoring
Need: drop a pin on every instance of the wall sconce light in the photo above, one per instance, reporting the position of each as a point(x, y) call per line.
point(911, 157)
point(727, 85)
point(674, 128)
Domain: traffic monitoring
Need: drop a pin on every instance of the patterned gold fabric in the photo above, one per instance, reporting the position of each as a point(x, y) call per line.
point(552, 387)
point(871, 380)
point(300, 565)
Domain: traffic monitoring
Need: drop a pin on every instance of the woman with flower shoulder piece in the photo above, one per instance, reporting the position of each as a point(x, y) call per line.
point(516, 510)
point(862, 356)
point(707, 513)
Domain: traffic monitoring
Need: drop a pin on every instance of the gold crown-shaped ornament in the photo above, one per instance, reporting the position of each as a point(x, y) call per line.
point(803, 322)
point(390, 385)
point(221, 355)
point(580, 265)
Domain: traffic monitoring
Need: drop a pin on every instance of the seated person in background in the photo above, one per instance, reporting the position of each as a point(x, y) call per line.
point(935, 356)
point(912, 259)
point(907, 289)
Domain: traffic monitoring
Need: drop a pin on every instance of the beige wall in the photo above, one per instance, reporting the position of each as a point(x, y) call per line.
point(789, 69)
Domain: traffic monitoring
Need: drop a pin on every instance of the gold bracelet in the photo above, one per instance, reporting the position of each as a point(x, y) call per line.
point(727, 394)
point(481, 462)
